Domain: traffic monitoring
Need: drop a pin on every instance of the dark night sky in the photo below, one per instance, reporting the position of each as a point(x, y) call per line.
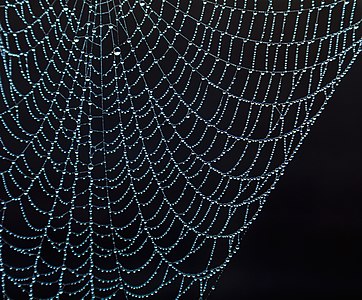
point(306, 243)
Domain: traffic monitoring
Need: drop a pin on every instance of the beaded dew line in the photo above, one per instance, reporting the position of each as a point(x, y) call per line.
point(139, 139)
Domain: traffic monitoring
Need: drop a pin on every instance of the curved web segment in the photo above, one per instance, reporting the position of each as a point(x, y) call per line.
point(140, 139)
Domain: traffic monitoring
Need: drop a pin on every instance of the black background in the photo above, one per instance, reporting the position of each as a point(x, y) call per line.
point(306, 243)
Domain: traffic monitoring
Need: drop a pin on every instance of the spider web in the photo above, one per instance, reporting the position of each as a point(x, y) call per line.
point(140, 139)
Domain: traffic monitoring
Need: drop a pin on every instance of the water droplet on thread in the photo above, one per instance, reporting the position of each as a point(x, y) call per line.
point(117, 51)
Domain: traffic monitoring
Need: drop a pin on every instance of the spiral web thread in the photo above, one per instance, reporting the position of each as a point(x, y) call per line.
point(140, 139)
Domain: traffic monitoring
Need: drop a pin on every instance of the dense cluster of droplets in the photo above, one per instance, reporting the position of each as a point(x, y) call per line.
point(140, 138)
